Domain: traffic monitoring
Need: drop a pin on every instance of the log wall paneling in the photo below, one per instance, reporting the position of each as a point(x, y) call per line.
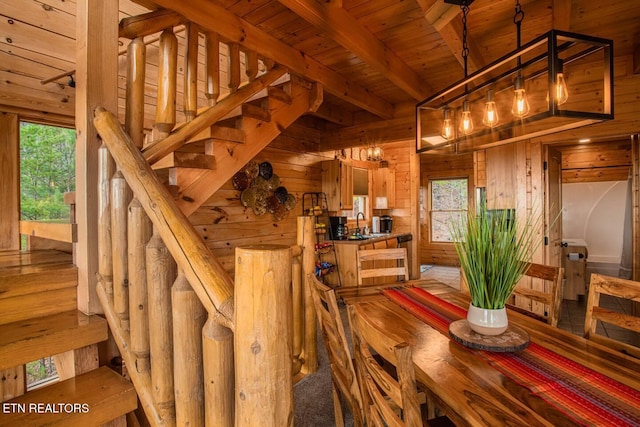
point(96, 54)
point(161, 274)
point(10, 178)
point(189, 317)
point(13, 383)
point(500, 175)
point(264, 383)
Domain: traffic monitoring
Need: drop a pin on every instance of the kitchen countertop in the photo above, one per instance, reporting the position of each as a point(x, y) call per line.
point(379, 237)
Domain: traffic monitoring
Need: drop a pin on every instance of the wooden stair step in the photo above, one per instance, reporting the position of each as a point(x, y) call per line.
point(279, 94)
point(90, 399)
point(247, 110)
point(216, 132)
point(32, 339)
point(185, 159)
point(48, 256)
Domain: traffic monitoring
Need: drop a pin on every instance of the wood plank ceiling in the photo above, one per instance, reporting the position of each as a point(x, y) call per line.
point(376, 58)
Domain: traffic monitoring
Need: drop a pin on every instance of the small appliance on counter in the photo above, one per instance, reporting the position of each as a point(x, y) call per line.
point(339, 229)
point(386, 224)
point(375, 224)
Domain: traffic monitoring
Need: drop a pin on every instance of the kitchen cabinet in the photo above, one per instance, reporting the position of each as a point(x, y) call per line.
point(337, 184)
point(383, 188)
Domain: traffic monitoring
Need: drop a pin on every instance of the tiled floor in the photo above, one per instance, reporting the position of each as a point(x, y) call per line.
point(572, 312)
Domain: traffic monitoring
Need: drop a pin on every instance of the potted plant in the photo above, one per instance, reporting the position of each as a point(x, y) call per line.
point(493, 253)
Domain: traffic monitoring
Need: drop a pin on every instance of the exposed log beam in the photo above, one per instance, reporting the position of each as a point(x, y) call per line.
point(445, 20)
point(342, 27)
point(240, 31)
point(400, 129)
point(148, 23)
point(561, 10)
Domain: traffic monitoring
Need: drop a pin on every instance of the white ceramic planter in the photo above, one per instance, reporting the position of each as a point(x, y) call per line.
point(486, 321)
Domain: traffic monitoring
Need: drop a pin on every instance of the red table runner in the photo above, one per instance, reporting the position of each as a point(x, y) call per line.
point(584, 395)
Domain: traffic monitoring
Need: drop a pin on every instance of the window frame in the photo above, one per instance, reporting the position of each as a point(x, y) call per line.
point(430, 210)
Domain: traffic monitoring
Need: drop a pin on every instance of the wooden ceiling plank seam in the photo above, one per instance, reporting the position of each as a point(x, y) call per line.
point(251, 37)
point(344, 28)
point(47, 19)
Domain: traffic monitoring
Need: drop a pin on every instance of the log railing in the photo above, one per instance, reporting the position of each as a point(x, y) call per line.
point(167, 298)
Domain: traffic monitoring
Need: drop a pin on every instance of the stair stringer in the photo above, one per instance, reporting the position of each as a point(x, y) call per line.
point(231, 157)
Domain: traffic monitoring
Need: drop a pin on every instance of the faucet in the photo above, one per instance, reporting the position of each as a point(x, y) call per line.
point(358, 222)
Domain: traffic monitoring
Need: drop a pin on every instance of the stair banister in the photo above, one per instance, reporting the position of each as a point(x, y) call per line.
point(158, 149)
point(207, 276)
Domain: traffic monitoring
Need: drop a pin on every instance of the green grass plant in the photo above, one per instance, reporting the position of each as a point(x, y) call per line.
point(494, 253)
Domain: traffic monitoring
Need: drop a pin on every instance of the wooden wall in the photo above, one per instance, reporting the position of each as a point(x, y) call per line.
point(225, 224)
point(603, 161)
point(9, 182)
point(435, 166)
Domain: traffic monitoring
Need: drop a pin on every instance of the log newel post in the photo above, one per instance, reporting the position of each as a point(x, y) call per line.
point(161, 274)
point(189, 317)
point(263, 324)
point(298, 311)
point(219, 381)
point(306, 240)
point(120, 198)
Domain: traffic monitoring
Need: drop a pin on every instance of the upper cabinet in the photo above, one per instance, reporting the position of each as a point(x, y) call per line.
point(337, 184)
point(383, 188)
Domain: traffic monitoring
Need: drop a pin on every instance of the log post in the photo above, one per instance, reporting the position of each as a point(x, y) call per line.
point(120, 198)
point(134, 109)
point(106, 169)
point(264, 386)
point(219, 386)
point(139, 231)
point(161, 274)
point(306, 240)
point(234, 67)
point(188, 319)
point(191, 72)
point(212, 68)
point(167, 75)
point(297, 303)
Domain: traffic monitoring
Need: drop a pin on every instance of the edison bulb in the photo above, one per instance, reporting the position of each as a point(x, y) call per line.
point(520, 107)
point(490, 117)
point(562, 94)
point(466, 122)
point(447, 125)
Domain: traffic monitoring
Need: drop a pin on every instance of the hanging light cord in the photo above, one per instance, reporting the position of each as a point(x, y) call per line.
point(465, 46)
point(518, 17)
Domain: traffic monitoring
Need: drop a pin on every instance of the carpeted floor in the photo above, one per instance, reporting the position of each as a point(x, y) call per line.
point(313, 403)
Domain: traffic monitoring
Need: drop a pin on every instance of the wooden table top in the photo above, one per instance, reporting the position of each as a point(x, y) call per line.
point(471, 391)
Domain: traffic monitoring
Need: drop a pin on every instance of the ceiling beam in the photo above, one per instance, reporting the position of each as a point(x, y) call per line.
point(398, 129)
point(561, 10)
point(342, 27)
point(446, 21)
point(240, 31)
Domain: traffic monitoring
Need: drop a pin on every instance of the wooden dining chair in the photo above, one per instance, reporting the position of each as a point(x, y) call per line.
point(552, 298)
point(388, 400)
point(619, 288)
point(391, 265)
point(343, 376)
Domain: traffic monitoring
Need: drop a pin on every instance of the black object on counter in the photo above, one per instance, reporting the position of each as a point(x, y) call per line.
point(386, 224)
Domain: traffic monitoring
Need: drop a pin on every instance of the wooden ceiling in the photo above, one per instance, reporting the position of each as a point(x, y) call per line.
point(376, 58)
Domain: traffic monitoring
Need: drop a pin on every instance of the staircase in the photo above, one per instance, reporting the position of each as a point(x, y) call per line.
point(39, 318)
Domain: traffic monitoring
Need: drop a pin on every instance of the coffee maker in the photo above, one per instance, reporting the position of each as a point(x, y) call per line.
point(386, 224)
point(338, 227)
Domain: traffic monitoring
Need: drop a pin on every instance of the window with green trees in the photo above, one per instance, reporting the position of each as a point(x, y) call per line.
point(47, 171)
point(449, 202)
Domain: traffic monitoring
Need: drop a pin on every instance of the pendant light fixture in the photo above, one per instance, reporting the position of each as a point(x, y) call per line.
point(520, 107)
point(522, 95)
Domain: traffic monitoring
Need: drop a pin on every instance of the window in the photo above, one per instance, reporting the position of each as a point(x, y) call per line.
point(359, 205)
point(449, 202)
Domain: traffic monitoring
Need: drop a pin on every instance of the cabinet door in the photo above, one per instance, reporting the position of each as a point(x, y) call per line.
point(383, 186)
point(346, 186)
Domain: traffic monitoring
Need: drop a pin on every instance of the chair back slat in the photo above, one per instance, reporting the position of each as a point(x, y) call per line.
point(552, 297)
point(343, 375)
point(389, 263)
point(619, 288)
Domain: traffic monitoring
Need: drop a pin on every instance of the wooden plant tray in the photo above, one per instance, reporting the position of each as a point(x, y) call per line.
point(513, 339)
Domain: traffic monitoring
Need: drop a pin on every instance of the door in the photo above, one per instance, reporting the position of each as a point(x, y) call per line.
point(553, 207)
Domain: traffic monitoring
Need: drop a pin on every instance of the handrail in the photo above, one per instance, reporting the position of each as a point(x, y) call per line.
point(210, 281)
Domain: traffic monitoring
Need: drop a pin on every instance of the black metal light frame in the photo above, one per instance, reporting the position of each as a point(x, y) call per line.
point(543, 55)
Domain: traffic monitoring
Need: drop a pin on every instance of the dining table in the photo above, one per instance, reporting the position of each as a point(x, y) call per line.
point(560, 379)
